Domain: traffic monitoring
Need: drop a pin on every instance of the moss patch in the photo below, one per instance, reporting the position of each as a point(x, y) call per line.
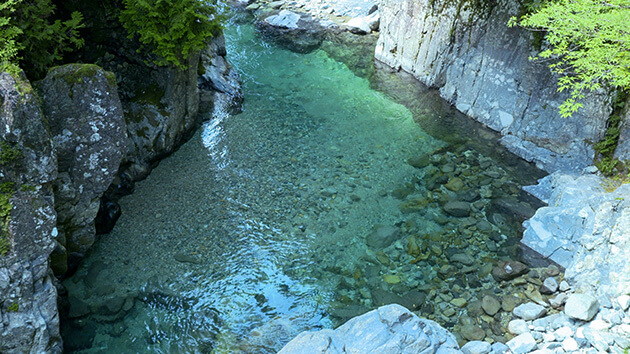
point(605, 149)
point(9, 153)
point(14, 307)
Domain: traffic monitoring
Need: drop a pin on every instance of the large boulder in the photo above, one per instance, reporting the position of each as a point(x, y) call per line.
point(86, 120)
point(584, 229)
point(29, 322)
point(388, 329)
point(296, 31)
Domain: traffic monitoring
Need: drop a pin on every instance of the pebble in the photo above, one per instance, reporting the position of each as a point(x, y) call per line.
point(507, 270)
point(459, 302)
point(490, 305)
point(581, 306)
point(559, 300)
point(564, 286)
point(529, 311)
point(472, 332)
point(549, 286)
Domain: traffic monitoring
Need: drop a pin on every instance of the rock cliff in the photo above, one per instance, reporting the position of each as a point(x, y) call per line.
point(86, 121)
point(29, 322)
point(465, 49)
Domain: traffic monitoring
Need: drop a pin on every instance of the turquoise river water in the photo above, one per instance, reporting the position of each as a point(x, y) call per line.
point(256, 229)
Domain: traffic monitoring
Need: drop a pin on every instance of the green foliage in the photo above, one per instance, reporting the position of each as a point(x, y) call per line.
point(6, 192)
point(8, 33)
point(605, 149)
point(36, 39)
point(172, 29)
point(589, 44)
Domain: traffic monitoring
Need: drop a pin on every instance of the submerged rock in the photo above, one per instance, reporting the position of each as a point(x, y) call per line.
point(383, 236)
point(388, 329)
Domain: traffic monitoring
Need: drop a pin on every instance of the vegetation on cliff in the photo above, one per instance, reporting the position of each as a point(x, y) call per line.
point(35, 35)
point(589, 44)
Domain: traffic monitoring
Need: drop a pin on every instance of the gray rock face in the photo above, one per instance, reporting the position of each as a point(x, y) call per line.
point(583, 230)
point(581, 306)
point(388, 329)
point(161, 114)
point(86, 120)
point(481, 66)
point(28, 313)
point(218, 78)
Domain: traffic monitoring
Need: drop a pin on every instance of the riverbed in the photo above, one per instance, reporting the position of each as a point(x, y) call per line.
point(328, 195)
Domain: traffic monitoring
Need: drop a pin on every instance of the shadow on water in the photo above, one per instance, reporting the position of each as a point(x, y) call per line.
point(323, 199)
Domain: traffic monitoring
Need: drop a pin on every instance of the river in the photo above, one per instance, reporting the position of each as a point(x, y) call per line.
point(329, 195)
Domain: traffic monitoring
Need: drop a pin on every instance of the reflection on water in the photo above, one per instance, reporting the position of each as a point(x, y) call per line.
point(322, 199)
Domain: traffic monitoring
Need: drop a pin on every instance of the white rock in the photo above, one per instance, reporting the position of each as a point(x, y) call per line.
point(559, 300)
point(564, 286)
point(624, 302)
point(529, 311)
point(563, 332)
point(599, 325)
point(523, 343)
point(388, 329)
point(358, 25)
point(581, 306)
point(284, 19)
point(476, 347)
point(499, 348)
point(518, 327)
point(373, 20)
point(570, 345)
point(548, 337)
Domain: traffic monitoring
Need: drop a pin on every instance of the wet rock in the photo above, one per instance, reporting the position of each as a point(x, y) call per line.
point(581, 306)
point(490, 305)
point(507, 270)
point(472, 332)
point(383, 236)
point(454, 184)
point(108, 213)
point(347, 312)
point(390, 328)
point(529, 311)
point(462, 258)
point(523, 343)
point(186, 258)
point(457, 208)
point(419, 161)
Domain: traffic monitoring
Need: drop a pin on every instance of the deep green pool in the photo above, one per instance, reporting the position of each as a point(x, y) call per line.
point(256, 229)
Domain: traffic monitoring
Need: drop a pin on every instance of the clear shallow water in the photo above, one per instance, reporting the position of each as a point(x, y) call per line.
point(256, 229)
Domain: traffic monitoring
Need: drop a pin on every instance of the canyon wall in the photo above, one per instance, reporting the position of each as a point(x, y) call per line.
point(466, 50)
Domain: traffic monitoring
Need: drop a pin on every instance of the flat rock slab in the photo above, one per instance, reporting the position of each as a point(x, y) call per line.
point(388, 329)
